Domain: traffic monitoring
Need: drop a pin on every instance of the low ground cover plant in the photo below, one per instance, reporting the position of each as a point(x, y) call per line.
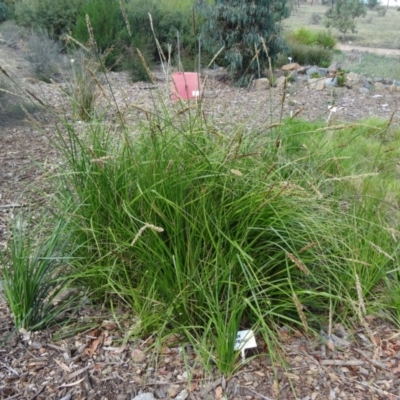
point(307, 46)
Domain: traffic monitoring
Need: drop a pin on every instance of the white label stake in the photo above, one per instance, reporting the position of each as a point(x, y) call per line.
point(245, 340)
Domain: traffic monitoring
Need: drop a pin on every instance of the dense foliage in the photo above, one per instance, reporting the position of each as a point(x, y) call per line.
point(55, 16)
point(240, 27)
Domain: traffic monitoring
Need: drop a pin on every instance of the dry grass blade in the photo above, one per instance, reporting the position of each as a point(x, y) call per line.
point(4, 72)
point(299, 308)
point(143, 228)
point(300, 265)
point(149, 73)
point(128, 26)
point(361, 303)
point(92, 40)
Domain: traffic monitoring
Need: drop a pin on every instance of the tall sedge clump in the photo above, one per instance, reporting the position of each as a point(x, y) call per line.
point(206, 234)
point(240, 26)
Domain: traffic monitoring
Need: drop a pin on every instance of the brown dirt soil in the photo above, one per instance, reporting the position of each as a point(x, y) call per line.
point(361, 363)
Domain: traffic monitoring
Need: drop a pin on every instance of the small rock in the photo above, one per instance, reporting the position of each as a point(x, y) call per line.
point(329, 82)
point(352, 77)
point(363, 90)
point(290, 67)
point(316, 83)
point(302, 78)
point(261, 84)
point(173, 391)
point(280, 82)
point(323, 71)
point(144, 396)
point(379, 87)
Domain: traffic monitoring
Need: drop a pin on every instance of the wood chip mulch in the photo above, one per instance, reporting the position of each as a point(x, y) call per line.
point(362, 363)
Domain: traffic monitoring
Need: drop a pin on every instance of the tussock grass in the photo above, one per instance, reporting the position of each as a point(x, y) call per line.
point(201, 233)
point(204, 234)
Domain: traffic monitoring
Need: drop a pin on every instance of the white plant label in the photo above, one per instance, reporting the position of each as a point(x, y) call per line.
point(195, 93)
point(245, 340)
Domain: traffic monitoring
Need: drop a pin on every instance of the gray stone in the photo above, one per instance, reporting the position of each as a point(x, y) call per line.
point(329, 82)
point(367, 85)
point(363, 90)
point(323, 71)
point(302, 78)
point(312, 70)
point(378, 79)
point(261, 84)
point(144, 396)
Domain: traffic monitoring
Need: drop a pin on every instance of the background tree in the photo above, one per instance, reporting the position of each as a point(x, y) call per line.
point(343, 13)
point(371, 4)
point(240, 26)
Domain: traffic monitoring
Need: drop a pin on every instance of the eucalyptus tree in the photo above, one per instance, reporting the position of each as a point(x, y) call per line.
point(343, 13)
point(249, 31)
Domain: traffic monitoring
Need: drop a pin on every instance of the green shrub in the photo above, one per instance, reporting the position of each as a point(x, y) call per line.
point(303, 36)
point(135, 65)
point(243, 31)
point(309, 37)
point(310, 55)
point(119, 40)
point(325, 39)
point(54, 16)
point(81, 88)
point(12, 34)
point(45, 55)
point(108, 27)
point(341, 78)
